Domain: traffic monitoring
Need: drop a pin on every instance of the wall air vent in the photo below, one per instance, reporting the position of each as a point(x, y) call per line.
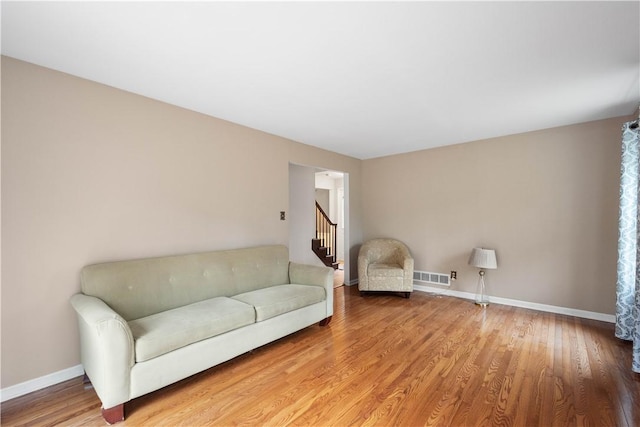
point(429, 277)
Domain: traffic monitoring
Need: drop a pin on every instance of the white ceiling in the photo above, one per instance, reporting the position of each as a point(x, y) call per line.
point(358, 78)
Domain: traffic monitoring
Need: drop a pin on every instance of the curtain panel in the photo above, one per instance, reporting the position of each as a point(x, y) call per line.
point(628, 281)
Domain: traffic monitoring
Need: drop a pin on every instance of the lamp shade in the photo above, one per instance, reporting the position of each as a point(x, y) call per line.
point(483, 258)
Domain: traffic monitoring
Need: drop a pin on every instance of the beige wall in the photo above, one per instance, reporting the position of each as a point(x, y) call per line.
point(545, 200)
point(91, 173)
point(303, 214)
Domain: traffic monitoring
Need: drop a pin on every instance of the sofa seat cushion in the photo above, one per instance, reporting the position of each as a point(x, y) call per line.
point(274, 300)
point(385, 270)
point(163, 332)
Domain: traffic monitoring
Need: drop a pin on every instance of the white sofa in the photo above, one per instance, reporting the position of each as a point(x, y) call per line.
point(147, 323)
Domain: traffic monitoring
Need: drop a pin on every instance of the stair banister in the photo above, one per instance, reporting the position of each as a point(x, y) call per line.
point(326, 233)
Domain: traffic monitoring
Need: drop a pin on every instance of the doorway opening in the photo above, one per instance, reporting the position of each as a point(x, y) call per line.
point(329, 196)
point(302, 214)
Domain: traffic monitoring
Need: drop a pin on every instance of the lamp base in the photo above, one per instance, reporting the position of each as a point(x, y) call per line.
point(481, 295)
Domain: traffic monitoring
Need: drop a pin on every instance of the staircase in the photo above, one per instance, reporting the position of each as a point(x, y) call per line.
point(325, 243)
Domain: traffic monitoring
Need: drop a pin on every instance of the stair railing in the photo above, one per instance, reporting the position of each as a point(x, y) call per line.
point(326, 232)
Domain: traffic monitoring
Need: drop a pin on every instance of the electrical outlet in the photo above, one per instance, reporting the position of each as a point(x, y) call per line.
point(454, 275)
point(282, 216)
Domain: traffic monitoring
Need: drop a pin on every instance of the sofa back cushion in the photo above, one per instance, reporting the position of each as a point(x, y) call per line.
point(142, 287)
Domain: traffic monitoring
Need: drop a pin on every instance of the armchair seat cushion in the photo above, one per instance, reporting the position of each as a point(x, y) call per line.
point(275, 300)
point(385, 270)
point(169, 330)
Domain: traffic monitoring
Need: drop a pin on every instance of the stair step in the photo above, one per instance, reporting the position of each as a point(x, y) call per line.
point(323, 253)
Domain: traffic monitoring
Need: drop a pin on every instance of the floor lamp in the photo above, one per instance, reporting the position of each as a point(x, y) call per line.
point(483, 259)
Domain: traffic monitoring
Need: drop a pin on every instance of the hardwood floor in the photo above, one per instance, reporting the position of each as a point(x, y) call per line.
point(338, 278)
point(386, 360)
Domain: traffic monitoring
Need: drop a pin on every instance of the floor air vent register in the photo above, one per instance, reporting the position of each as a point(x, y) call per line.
point(429, 277)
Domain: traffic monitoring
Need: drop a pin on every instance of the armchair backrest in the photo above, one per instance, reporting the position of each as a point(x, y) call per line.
point(387, 251)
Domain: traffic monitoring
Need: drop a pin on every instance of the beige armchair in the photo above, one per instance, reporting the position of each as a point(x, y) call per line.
point(385, 265)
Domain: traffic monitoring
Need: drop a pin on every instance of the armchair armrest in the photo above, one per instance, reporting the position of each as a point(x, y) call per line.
point(407, 266)
point(303, 274)
point(363, 268)
point(106, 349)
point(407, 263)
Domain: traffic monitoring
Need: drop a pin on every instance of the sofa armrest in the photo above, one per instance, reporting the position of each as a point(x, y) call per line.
point(106, 349)
point(304, 274)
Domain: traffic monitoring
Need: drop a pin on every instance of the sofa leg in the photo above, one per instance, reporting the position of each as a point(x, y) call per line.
point(113, 415)
point(325, 322)
point(407, 295)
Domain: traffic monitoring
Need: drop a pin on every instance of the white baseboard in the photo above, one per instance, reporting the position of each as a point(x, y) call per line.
point(610, 318)
point(40, 383)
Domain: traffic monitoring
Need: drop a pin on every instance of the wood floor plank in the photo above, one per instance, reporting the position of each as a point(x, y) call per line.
point(385, 360)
